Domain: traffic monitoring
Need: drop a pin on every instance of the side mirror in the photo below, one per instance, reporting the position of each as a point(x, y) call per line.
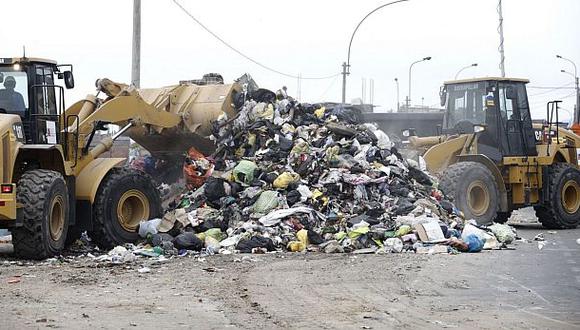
point(1, 77)
point(69, 80)
point(443, 95)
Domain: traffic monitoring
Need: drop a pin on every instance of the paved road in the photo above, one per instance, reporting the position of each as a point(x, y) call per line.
point(539, 288)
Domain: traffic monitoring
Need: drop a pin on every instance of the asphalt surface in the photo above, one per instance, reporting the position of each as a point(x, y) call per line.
point(539, 287)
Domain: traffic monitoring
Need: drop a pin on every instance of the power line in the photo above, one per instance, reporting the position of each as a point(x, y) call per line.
point(536, 103)
point(244, 55)
point(329, 87)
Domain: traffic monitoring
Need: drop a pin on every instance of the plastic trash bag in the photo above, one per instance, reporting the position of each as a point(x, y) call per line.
point(246, 245)
point(474, 243)
point(215, 233)
point(267, 201)
point(403, 230)
point(285, 179)
point(393, 245)
point(503, 233)
point(188, 241)
point(196, 169)
point(149, 227)
point(244, 172)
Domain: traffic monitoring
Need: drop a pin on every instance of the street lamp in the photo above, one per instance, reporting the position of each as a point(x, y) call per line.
point(428, 58)
point(570, 73)
point(577, 112)
point(397, 82)
point(466, 67)
point(346, 65)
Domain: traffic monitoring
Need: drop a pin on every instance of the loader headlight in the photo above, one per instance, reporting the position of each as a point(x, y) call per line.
point(478, 128)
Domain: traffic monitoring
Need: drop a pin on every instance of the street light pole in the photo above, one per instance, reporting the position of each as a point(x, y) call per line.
point(577, 110)
point(346, 66)
point(411, 67)
point(466, 67)
point(397, 82)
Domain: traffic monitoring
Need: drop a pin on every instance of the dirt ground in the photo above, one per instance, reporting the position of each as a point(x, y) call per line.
point(509, 289)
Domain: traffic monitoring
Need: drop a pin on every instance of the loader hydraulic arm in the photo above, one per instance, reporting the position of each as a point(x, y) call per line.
point(123, 106)
point(165, 121)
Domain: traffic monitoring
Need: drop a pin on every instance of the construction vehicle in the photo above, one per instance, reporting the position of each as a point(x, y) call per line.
point(492, 159)
point(54, 185)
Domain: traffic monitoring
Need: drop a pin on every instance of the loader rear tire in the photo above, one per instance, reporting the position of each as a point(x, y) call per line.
point(562, 210)
point(125, 198)
point(45, 211)
point(473, 189)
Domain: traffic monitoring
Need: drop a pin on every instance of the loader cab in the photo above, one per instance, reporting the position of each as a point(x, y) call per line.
point(28, 89)
point(496, 109)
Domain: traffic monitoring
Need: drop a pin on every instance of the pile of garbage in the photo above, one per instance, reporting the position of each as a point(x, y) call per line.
point(296, 176)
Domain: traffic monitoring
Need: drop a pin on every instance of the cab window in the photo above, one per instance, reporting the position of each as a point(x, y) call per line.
point(45, 96)
point(466, 103)
point(13, 91)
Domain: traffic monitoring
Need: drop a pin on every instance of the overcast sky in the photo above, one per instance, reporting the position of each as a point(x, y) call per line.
point(308, 38)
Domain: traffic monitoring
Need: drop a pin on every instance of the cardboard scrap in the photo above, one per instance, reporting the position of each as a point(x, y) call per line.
point(430, 232)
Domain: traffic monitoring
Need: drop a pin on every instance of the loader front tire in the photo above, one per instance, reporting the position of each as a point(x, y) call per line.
point(562, 209)
point(125, 198)
point(473, 189)
point(45, 211)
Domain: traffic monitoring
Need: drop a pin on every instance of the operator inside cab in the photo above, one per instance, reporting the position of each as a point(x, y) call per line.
point(11, 101)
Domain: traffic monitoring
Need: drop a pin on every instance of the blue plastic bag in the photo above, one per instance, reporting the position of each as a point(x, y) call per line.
point(474, 243)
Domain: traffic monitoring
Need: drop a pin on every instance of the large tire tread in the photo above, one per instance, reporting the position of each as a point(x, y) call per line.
point(101, 228)
point(453, 175)
point(32, 190)
point(546, 213)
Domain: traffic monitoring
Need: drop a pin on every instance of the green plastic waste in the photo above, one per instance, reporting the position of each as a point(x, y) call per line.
point(215, 233)
point(340, 236)
point(244, 172)
point(358, 232)
point(267, 201)
point(403, 230)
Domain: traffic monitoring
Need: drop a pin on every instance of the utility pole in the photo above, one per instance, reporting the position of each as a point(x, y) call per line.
point(136, 51)
point(398, 103)
point(501, 50)
point(344, 73)
point(372, 92)
point(364, 90)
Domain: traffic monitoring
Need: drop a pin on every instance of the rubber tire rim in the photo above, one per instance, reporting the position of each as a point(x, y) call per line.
point(478, 198)
point(570, 197)
point(56, 220)
point(133, 207)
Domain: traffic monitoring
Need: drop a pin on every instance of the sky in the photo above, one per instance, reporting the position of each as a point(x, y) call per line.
point(307, 38)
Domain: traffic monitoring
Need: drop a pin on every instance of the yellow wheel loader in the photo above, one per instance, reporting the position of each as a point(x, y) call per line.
point(492, 158)
point(54, 185)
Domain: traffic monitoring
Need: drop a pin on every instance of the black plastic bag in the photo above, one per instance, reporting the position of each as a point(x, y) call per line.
point(246, 246)
point(188, 241)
